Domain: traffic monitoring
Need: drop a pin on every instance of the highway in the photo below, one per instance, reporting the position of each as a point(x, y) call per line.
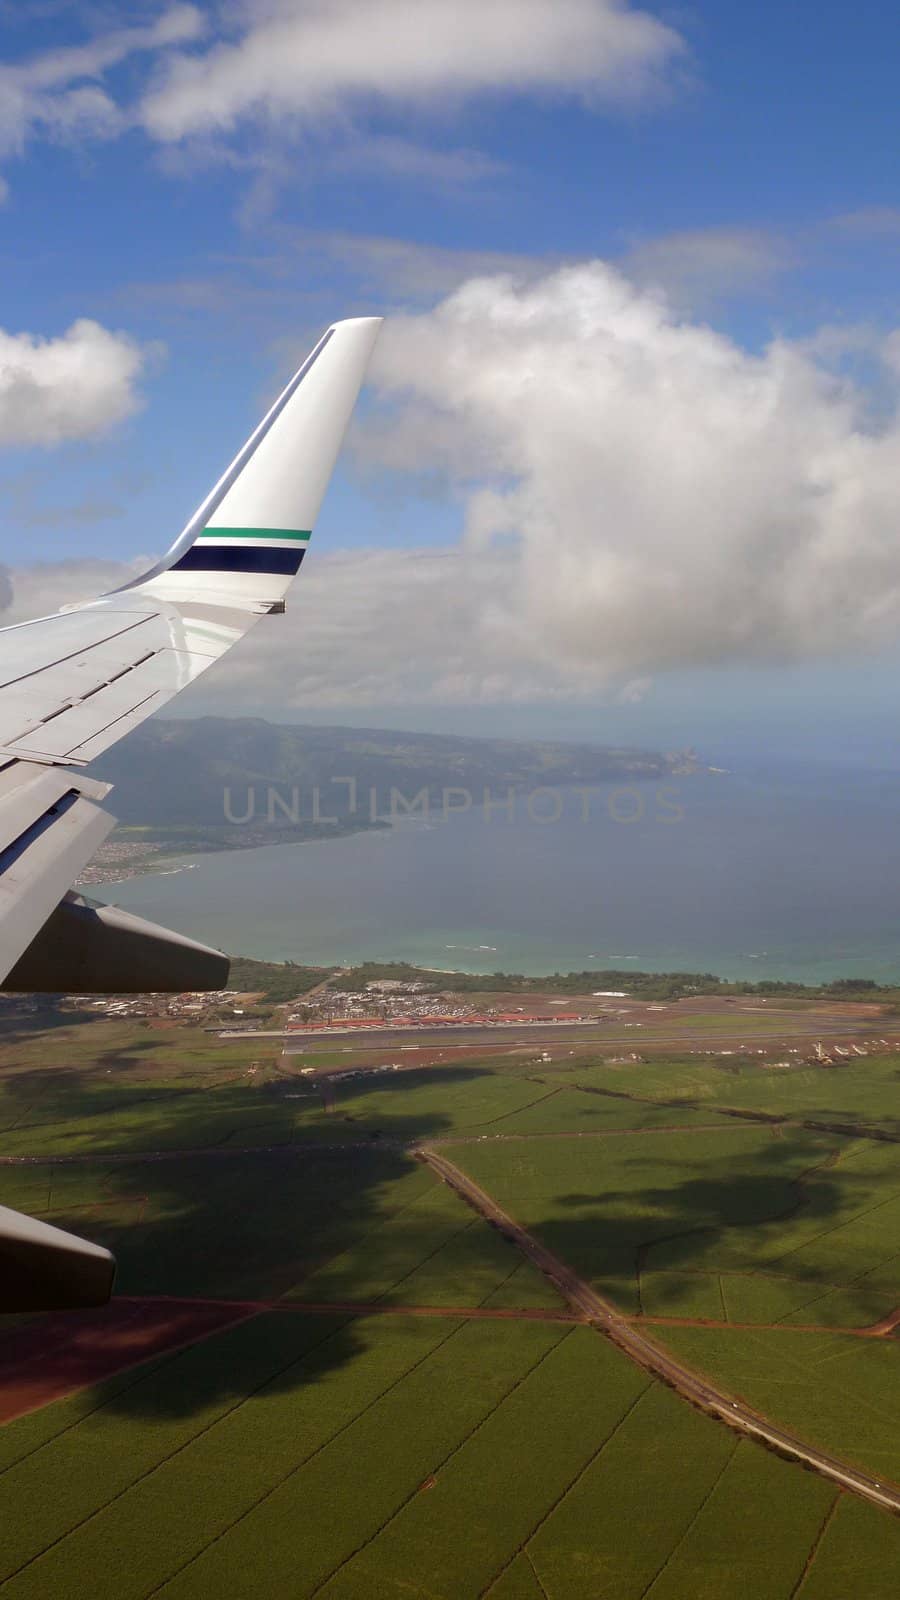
point(691, 1386)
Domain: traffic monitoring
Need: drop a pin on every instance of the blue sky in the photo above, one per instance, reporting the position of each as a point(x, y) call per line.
point(209, 199)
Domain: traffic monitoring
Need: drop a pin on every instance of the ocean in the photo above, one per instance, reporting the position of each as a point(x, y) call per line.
point(739, 874)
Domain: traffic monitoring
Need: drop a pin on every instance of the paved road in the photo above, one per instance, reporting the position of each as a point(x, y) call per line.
point(690, 1385)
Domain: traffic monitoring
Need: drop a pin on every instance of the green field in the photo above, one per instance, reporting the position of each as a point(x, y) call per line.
point(429, 1250)
point(365, 1225)
point(679, 1214)
point(830, 1389)
point(730, 1515)
point(397, 1457)
point(863, 1091)
point(443, 1457)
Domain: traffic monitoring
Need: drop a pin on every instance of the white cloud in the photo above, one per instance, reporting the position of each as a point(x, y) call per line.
point(55, 69)
point(363, 627)
point(878, 222)
point(697, 266)
point(45, 587)
point(319, 69)
point(376, 627)
point(659, 496)
point(387, 156)
point(634, 691)
point(299, 283)
point(73, 387)
point(305, 58)
point(271, 163)
point(638, 492)
point(58, 92)
point(399, 269)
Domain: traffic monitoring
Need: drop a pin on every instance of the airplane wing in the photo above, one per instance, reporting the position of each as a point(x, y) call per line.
point(74, 683)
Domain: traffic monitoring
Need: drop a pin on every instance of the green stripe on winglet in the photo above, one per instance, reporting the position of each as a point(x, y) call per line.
point(254, 533)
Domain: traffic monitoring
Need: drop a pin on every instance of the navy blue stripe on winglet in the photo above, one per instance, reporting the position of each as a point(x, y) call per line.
point(239, 558)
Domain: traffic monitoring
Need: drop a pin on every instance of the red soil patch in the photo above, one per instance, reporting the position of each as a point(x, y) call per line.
point(71, 1350)
point(68, 1351)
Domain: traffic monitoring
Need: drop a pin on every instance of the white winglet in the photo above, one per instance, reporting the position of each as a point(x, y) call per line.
point(246, 542)
point(74, 683)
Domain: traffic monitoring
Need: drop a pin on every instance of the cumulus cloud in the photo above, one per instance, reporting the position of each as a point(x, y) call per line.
point(73, 387)
point(363, 627)
point(377, 627)
point(637, 493)
point(303, 58)
point(656, 495)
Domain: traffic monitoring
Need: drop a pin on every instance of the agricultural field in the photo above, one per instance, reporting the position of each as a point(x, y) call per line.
point(405, 1407)
point(864, 1091)
point(394, 1456)
point(428, 1250)
point(323, 1226)
point(502, 1097)
point(671, 1216)
point(834, 1391)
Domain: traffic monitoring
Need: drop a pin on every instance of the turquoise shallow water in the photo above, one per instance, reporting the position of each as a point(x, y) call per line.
point(798, 877)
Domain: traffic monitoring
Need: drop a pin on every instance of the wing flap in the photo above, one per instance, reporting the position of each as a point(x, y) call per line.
point(60, 736)
point(50, 826)
point(74, 709)
point(59, 663)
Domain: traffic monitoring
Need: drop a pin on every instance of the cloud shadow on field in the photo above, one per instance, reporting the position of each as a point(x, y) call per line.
point(734, 1215)
point(614, 1214)
point(244, 1191)
point(267, 1190)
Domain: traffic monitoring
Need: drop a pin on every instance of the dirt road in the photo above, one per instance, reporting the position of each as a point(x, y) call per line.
point(603, 1316)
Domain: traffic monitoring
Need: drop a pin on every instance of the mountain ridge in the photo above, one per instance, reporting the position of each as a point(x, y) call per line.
point(173, 773)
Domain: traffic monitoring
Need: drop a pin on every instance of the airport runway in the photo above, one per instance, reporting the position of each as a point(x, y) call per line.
point(783, 1028)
